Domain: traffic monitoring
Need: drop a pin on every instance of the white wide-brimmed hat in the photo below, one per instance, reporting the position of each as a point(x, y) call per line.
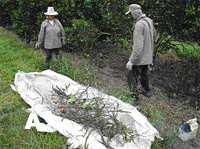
point(51, 12)
point(133, 7)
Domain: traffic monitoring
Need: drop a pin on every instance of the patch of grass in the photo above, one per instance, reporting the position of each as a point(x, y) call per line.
point(84, 73)
point(188, 49)
point(122, 94)
point(14, 56)
point(154, 114)
point(170, 139)
point(165, 118)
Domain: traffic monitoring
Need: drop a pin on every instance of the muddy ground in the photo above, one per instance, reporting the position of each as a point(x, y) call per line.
point(176, 86)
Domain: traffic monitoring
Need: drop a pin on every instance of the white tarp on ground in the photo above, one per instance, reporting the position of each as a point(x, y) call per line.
point(34, 87)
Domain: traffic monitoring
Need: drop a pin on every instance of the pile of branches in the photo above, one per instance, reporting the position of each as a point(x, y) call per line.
point(91, 113)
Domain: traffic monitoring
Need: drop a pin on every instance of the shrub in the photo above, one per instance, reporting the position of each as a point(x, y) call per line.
point(178, 18)
point(81, 33)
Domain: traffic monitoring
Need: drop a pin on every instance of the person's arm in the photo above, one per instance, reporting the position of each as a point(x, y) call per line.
point(138, 42)
point(62, 32)
point(41, 35)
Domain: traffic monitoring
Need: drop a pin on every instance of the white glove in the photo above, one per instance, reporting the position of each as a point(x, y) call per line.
point(37, 45)
point(129, 65)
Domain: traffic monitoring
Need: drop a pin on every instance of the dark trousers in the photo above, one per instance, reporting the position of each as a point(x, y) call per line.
point(50, 52)
point(139, 73)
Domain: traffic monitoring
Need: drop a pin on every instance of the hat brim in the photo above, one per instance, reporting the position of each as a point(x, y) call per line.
point(51, 14)
point(127, 12)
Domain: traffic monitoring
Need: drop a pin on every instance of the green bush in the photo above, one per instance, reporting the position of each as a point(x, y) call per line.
point(177, 18)
point(81, 33)
point(26, 16)
point(188, 50)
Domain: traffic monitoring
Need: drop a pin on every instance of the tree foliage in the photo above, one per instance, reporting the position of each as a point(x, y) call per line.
point(179, 18)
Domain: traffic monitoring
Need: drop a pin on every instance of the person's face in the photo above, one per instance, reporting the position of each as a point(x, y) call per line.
point(50, 17)
point(134, 15)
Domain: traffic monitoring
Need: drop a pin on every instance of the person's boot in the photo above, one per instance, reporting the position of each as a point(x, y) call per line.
point(147, 93)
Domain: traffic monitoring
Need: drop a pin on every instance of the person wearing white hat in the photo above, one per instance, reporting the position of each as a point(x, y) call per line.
point(51, 36)
point(142, 51)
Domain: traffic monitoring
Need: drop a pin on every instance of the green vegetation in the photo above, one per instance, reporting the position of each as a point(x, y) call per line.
point(177, 18)
point(81, 33)
point(86, 22)
point(167, 43)
point(83, 74)
point(188, 50)
point(15, 55)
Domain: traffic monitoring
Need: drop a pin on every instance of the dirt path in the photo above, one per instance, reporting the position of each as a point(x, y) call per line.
point(171, 111)
point(166, 113)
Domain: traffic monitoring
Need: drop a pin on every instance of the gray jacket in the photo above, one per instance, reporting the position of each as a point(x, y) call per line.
point(52, 36)
point(143, 42)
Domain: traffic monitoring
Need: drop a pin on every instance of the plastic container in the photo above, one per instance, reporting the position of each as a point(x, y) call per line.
point(188, 130)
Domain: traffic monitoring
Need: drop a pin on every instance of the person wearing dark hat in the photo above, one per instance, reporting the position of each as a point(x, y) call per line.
point(142, 51)
point(51, 36)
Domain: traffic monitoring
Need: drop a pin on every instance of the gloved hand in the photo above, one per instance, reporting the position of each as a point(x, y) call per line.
point(129, 65)
point(37, 45)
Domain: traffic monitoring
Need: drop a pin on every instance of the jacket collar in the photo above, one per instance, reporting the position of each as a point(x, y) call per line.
point(141, 17)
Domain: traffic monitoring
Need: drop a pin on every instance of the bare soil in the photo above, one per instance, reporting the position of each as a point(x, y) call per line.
point(176, 91)
point(176, 88)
